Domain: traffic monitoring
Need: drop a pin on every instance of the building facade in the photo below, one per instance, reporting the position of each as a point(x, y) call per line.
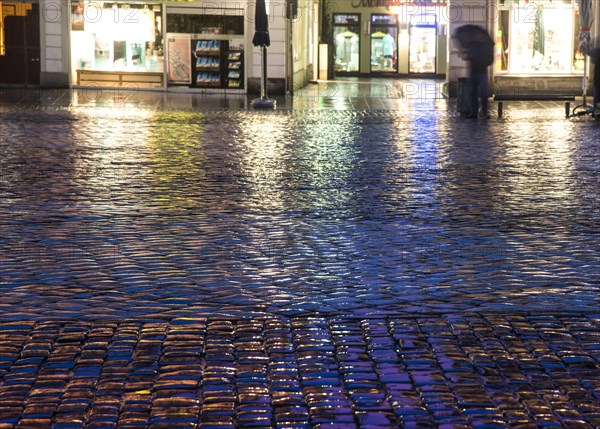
point(196, 45)
point(20, 54)
point(536, 43)
point(536, 40)
point(387, 38)
point(205, 45)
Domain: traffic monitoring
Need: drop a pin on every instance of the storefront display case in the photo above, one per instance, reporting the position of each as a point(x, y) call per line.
point(384, 37)
point(208, 64)
point(117, 44)
point(423, 41)
point(346, 39)
point(215, 62)
point(215, 51)
point(538, 38)
point(235, 69)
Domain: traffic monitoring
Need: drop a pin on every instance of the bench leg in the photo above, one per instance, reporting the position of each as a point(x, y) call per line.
point(500, 106)
point(567, 109)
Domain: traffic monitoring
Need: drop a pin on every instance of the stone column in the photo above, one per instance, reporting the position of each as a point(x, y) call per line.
point(54, 43)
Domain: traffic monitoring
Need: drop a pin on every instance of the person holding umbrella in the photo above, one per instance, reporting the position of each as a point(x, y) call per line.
point(477, 48)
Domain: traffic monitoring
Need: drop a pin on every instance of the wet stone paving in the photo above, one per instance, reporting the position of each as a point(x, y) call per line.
point(352, 262)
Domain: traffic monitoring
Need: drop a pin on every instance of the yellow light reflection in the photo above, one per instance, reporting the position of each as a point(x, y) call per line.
point(112, 140)
point(262, 163)
point(177, 158)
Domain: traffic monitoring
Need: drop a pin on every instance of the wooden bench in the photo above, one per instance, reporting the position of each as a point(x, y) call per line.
point(106, 78)
point(567, 98)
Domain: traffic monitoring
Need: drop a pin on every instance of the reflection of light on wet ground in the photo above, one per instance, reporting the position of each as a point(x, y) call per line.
point(264, 140)
point(541, 158)
point(357, 211)
point(176, 156)
point(115, 159)
point(327, 157)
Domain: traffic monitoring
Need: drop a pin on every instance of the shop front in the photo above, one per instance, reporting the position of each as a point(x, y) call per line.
point(205, 47)
point(389, 38)
point(537, 46)
point(116, 44)
point(129, 44)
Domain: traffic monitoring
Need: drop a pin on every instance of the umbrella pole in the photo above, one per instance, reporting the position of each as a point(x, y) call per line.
point(264, 73)
point(263, 101)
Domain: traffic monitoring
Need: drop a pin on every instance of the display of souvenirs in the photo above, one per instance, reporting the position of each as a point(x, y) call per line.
point(234, 67)
point(217, 64)
point(208, 47)
point(234, 56)
point(208, 63)
point(208, 80)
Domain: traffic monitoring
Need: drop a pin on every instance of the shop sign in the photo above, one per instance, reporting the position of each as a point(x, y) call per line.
point(391, 3)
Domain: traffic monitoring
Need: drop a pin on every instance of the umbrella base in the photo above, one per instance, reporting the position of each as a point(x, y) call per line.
point(264, 103)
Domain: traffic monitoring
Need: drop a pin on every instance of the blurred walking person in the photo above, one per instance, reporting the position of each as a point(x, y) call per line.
point(478, 48)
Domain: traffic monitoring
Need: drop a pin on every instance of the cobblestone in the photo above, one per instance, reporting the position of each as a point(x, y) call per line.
point(441, 371)
point(126, 211)
point(346, 261)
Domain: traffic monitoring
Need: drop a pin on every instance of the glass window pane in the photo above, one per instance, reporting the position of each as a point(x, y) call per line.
point(541, 41)
point(347, 47)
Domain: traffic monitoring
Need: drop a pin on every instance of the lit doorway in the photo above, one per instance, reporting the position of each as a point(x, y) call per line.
point(384, 39)
point(346, 42)
point(423, 44)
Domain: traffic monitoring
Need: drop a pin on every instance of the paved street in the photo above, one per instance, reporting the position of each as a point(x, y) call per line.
point(361, 257)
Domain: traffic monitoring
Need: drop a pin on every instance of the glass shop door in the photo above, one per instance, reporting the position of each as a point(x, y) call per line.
point(423, 44)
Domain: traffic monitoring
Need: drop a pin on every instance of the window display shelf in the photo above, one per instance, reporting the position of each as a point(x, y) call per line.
point(208, 47)
point(208, 80)
point(235, 68)
point(103, 78)
point(208, 63)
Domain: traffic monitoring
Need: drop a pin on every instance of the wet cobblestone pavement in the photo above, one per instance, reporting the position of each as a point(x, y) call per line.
point(367, 260)
point(455, 371)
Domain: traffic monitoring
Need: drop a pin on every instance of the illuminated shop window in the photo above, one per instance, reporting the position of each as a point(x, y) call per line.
point(384, 43)
point(346, 39)
point(116, 36)
point(538, 37)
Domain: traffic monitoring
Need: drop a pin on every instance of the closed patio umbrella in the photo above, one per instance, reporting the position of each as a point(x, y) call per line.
point(261, 38)
point(261, 25)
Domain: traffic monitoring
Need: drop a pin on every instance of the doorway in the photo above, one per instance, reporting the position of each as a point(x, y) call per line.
point(346, 42)
point(384, 50)
point(20, 59)
point(423, 44)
